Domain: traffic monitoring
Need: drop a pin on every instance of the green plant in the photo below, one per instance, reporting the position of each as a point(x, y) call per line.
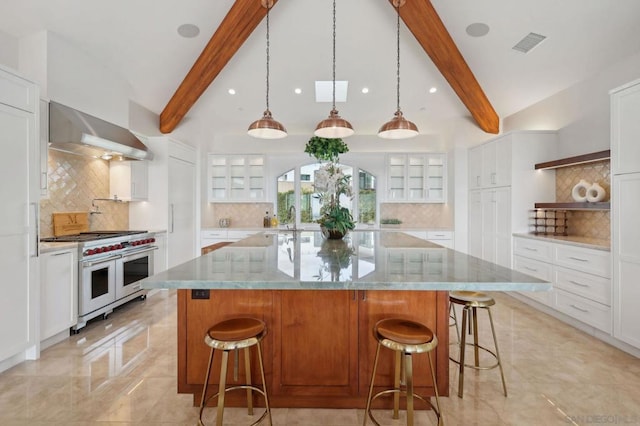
point(331, 183)
point(325, 149)
point(338, 219)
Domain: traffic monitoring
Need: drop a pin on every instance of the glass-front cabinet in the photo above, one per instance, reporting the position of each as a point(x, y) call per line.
point(416, 178)
point(236, 178)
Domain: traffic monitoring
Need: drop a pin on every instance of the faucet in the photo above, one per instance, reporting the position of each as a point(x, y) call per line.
point(292, 215)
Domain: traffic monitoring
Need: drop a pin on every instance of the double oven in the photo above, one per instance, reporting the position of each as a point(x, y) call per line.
point(110, 267)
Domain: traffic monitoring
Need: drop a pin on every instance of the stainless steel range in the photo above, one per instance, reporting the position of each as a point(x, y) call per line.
point(110, 264)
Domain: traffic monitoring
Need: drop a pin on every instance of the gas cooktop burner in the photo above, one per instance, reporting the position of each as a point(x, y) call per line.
point(89, 236)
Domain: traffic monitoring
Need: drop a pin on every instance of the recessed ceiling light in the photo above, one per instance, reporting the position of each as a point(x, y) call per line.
point(478, 29)
point(365, 90)
point(188, 30)
point(433, 90)
point(298, 90)
point(232, 91)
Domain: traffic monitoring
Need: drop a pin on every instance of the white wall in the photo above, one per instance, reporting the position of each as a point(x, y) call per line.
point(579, 113)
point(8, 50)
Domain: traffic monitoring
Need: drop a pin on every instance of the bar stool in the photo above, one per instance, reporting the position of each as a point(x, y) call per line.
point(471, 302)
point(231, 335)
point(406, 338)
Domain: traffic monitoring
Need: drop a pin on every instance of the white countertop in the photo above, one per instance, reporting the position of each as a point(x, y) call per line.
point(364, 260)
point(572, 240)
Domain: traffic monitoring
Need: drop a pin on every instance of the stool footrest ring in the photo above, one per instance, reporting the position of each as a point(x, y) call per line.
point(479, 367)
point(238, 387)
point(401, 392)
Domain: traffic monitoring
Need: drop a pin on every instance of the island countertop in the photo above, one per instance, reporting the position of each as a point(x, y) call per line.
point(364, 260)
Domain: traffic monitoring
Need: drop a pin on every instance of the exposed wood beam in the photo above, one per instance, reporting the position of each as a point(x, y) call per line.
point(243, 17)
point(427, 27)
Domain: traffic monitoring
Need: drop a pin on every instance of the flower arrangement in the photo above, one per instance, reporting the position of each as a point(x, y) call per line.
point(331, 183)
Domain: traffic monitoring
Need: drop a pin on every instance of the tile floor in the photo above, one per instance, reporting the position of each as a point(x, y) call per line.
point(121, 371)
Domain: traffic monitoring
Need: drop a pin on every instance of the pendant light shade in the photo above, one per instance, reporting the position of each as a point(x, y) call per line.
point(334, 126)
point(267, 127)
point(398, 127)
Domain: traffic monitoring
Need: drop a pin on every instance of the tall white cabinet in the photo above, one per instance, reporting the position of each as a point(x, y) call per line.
point(20, 193)
point(172, 200)
point(625, 244)
point(503, 186)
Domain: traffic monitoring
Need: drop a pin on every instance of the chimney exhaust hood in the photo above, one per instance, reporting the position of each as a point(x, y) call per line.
point(78, 133)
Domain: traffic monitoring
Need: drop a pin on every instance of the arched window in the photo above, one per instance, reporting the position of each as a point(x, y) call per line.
point(296, 189)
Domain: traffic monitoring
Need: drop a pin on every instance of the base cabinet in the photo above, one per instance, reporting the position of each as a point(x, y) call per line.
point(58, 292)
point(319, 349)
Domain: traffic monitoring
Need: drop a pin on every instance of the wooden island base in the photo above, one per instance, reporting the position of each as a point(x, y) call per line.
point(319, 349)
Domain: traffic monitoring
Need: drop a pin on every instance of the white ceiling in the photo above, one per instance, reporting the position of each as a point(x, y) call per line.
point(139, 40)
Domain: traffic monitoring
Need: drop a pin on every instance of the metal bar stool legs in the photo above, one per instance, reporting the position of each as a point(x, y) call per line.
point(405, 338)
point(232, 335)
point(471, 302)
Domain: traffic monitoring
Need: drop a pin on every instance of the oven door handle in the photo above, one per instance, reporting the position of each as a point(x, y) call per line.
point(142, 250)
point(90, 263)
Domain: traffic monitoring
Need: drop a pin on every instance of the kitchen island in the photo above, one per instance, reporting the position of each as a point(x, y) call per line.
point(320, 299)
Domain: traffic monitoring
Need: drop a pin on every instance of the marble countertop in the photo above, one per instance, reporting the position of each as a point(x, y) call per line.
point(573, 240)
point(51, 247)
point(364, 260)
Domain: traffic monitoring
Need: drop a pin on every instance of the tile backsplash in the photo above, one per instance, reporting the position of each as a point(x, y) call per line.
point(419, 215)
point(74, 182)
point(242, 215)
point(594, 224)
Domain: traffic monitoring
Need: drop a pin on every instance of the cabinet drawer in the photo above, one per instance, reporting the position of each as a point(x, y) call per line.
point(535, 268)
point(585, 310)
point(534, 249)
point(439, 235)
point(585, 260)
point(239, 235)
point(213, 234)
point(590, 286)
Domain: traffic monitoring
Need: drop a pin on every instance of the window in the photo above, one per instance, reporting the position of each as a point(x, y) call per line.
point(297, 185)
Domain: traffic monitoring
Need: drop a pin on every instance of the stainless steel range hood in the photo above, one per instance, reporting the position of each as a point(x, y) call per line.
point(78, 133)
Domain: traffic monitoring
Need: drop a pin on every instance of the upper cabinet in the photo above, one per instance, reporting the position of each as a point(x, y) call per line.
point(625, 129)
point(416, 178)
point(129, 180)
point(236, 178)
point(490, 164)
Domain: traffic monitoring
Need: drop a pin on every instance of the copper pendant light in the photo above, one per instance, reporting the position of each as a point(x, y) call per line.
point(267, 127)
point(334, 126)
point(398, 127)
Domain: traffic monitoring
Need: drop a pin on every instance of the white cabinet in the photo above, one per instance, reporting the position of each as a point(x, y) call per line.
point(443, 238)
point(416, 178)
point(580, 276)
point(219, 235)
point(58, 292)
point(625, 167)
point(236, 178)
point(504, 186)
point(44, 149)
point(160, 255)
point(20, 193)
point(129, 180)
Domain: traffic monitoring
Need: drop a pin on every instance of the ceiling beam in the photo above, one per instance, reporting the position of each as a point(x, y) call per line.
point(243, 17)
point(423, 21)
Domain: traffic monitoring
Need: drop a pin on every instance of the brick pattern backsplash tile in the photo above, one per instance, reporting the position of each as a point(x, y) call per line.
point(594, 224)
point(75, 181)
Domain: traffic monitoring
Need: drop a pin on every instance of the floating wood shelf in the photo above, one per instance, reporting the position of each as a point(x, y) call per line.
point(574, 206)
point(572, 161)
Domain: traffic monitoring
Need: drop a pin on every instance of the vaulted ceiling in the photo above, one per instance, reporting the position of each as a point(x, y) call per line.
point(139, 41)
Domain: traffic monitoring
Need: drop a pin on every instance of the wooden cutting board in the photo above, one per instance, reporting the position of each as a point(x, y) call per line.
point(70, 223)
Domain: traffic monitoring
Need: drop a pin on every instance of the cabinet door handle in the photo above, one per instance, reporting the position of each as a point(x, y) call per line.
point(578, 259)
point(171, 223)
point(578, 284)
point(43, 181)
point(477, 180)
point(579, 309)
point(530, 249)
point(354, 295)
point(493, 178)
point(364, 294)
point(531, 269)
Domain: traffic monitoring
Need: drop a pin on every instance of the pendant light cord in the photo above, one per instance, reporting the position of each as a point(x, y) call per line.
point(398, 51)
point(334, 54)
point(268, 8)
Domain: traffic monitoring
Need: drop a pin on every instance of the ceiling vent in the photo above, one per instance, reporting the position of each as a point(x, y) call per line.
point(530, 41)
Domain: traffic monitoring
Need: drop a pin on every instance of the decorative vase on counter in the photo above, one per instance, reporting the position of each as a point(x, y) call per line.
point(596, 193)
point(580, 190)
point(332, 234)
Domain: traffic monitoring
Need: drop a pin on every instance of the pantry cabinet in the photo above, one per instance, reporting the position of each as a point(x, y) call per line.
point(236, 178)
point(58, 292)
point(504, 186)
point(416, 178)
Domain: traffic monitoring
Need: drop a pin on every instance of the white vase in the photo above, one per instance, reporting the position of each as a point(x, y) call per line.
point(596, 193)
point(579, 191)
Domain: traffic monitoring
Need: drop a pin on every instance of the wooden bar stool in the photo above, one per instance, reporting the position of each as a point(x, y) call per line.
point(471, 301)
point(406, 338)
point(227, 336)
